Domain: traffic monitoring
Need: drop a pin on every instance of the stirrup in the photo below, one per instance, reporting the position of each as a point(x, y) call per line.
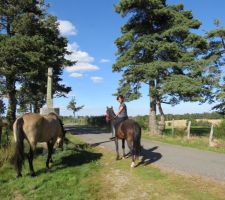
point(112, 138)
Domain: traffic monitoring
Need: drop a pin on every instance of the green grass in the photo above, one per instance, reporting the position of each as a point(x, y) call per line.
point(148, 182)
point(68, 178)
point(84, 173)
point(199, 139)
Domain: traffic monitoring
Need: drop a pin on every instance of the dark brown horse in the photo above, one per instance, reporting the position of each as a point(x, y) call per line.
point(128, 130)
point(36, 128)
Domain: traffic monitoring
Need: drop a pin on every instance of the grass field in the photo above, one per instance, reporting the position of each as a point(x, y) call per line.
point(199, 139)
point(81, 172)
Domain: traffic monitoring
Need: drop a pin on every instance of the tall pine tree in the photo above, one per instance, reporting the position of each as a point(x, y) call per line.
point(29, 44)
point(158, 48)
point(216, 39)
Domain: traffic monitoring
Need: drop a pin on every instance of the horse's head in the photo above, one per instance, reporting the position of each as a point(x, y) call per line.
point(60, 139)
point(110, 115)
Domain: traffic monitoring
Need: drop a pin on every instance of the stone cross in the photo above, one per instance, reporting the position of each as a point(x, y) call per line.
point(49, 108)
point(49, 89)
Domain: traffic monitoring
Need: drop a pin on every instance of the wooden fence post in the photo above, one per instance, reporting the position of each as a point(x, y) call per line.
point(173, 127)
point(189, 130)
point(211, 136)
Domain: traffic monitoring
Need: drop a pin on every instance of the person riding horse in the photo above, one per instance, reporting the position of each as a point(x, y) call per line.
point(121, 115)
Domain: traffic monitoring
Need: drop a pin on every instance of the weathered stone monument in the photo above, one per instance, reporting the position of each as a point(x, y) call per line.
point(49, 108)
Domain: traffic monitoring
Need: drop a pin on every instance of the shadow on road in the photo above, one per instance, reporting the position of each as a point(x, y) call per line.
point(149, 156)
point(79, 130)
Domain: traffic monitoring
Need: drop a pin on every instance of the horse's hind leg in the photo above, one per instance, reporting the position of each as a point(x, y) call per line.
point(131, 147)
point(123, 147)
point(117, 149)
point(50, 149)
point(30, 160)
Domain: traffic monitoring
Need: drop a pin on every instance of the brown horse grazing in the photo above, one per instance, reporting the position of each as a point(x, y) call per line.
point(36, 128)
point(128, 130)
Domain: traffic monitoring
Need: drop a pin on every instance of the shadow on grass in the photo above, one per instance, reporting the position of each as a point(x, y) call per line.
point(73, 155)
point(148, 156)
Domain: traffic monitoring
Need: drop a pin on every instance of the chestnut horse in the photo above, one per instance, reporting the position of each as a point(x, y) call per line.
point(128, 130)
point(36, 128)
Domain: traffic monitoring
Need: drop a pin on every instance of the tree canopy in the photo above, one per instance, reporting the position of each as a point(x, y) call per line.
point(158, 47)
point(30, 42)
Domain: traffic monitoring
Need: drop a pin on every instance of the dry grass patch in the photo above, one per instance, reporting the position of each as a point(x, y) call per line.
point(119, 181)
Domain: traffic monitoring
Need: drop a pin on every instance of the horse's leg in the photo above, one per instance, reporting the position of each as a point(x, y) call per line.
point(123, 147)
point(117, 149)
point(50, 149)
point(30, 160)
point(131, 147)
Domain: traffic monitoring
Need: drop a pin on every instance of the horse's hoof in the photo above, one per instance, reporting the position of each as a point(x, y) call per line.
point(123, 157)
point(132, 165)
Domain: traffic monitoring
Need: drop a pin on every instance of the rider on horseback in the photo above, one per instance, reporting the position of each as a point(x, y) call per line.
point(121, 115)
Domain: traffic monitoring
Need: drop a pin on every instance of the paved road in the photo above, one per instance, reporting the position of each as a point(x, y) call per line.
point(171, 157)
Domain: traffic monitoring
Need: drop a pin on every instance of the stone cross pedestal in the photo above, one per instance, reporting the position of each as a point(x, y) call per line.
point(49, 108)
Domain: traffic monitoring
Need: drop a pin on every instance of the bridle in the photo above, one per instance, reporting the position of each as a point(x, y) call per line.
point(110, 115)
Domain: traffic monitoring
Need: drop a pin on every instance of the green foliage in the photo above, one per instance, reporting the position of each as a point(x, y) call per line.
point(72, 106)
point(220, 130)
point(6, 154)
point(216, 40)
point(157, 45)
point(193, 116)
point(99, 121)
point(160, 48)
point(142, 121)
point(30, 42)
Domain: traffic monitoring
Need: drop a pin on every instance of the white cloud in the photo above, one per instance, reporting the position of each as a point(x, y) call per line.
point(104, 60)
point(81, 67)
point(80, 56)
point(84, 60)
point(72, 47)
point(76, 75)
point(96, 79)
point(67, 28)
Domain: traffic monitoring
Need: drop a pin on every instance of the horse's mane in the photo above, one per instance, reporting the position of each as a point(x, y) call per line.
point(60, 121)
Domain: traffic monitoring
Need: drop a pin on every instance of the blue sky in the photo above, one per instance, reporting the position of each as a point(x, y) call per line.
point(91, 27)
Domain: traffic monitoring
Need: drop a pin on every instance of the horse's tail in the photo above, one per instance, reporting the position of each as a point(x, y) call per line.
point(19, 151)
point(137, 140)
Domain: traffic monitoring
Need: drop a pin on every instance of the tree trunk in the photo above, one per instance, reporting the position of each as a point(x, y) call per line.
point(162, 123)
point(152, 115)
point(74, 115)
point(11, 90)
point(36, 107)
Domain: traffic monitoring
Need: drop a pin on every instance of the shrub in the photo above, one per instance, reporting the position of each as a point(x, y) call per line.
point(99, 121)
point(6, 153)
point(142, 121)
point(219, 131)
